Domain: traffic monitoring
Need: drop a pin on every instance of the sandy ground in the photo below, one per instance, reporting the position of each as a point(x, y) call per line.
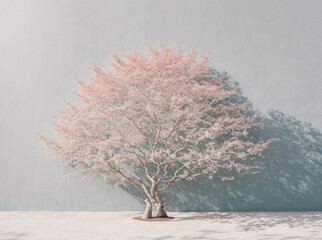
point(120, 225)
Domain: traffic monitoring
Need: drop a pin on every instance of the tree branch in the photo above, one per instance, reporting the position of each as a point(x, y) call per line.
point(158, 133)
point(140, 130)
point(174, 128)
point(185, 146)
point(137, 156)
point(165, 172)
point(174, 176)
point(131, 179)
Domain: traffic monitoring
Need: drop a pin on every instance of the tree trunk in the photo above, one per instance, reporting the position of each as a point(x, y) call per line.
point(148, 210)
point(160, 211)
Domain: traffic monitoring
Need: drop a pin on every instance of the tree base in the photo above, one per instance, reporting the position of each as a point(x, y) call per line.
point(154, 219)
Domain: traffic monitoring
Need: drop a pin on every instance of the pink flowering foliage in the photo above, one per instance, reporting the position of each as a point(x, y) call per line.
point(166, 113)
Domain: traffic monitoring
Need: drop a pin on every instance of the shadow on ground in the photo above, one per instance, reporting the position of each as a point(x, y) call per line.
point(221, 235)
point(254, 221)
point(13, 236)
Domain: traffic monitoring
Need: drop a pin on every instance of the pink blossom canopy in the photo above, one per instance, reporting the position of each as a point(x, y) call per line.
point(166, 113)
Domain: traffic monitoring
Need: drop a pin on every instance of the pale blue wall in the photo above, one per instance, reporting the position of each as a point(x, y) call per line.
point(272, 48)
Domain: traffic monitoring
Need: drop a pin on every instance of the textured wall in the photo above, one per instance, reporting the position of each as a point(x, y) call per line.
point(272, 48)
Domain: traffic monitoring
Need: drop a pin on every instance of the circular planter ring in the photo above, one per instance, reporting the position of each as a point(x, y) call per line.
point(154, 219)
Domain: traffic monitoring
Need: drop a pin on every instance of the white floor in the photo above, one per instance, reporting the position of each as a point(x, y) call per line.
point(120, 225)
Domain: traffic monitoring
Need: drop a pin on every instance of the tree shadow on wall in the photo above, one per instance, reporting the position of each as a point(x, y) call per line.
point(290, 177)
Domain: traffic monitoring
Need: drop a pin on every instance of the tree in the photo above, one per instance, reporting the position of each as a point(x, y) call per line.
point(156, 119)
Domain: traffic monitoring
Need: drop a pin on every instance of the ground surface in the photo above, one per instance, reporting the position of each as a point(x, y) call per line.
point(120, 225)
